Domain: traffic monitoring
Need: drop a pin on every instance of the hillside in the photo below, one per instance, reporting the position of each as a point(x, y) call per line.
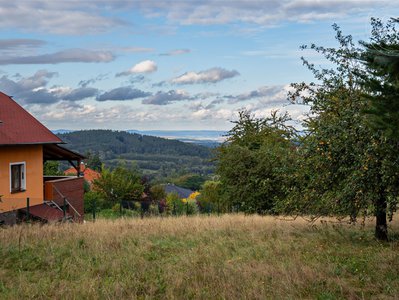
point(153, 155)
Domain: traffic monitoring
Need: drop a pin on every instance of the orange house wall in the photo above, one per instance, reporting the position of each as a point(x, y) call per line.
point(32, 155)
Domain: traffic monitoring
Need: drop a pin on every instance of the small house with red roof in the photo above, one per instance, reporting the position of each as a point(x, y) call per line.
point(88, 174)
point(25, 144)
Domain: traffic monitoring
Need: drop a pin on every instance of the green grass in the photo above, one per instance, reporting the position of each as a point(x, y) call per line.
point(231, 257)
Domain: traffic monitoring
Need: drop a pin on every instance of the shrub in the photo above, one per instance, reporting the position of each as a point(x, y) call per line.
point(93, 200)
point(174, 204)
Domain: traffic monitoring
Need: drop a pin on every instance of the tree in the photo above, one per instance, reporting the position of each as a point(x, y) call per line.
point(120, 184)
point(348, 167)
point(174, 203)
point(157, 192)
point(381, 58)
point(190, 181)
point(210, 196)
point(51, 168)
point(93, 161)
point(253, 162)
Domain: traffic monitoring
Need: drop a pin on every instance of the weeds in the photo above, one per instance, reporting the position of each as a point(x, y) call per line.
point(231, 256)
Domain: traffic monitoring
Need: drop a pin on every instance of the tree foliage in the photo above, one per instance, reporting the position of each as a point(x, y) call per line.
point(254, 160)
point(120, 184)
point(51, 168)
point(381, 59)
point(348, 167)
point(94, 161)
point(210, 197)
point(346, 162)
point(190, 181)
point(157, 192)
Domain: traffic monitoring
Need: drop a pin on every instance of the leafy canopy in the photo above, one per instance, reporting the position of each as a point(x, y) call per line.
point(120, 184)
point(253, 162)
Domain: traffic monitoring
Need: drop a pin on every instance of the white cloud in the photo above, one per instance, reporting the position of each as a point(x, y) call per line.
point(208, 76)
point(265, 13)
point(267, 93)
point(146, 66)
point(58, 17)
point(94, 115)
point(19, 47)
point(136, 49)
point(34, 89)
point(122, 93)
point(220, 114)
point(65, 56)
point(176, 52)
point(93, 17)
point(165, 98)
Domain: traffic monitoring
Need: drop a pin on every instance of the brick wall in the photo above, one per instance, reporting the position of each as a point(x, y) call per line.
point(71, 188)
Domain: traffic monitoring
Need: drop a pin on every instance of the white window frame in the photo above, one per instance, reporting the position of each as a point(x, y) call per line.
point(23, 179)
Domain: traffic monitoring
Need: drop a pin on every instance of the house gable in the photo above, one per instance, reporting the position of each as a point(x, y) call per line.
point(20, 127)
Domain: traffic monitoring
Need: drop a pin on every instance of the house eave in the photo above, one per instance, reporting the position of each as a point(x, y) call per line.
point(36, 143)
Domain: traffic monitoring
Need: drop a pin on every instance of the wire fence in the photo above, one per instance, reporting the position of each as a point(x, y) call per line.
point(14, 210)
point(143, 209)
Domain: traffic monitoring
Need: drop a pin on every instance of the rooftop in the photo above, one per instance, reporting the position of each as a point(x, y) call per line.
point(20, 127)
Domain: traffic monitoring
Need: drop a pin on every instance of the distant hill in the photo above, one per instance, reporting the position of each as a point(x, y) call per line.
point(193, 135)
point(61, 131)
point(153, 155)
point(207, 138)
point(205, 143)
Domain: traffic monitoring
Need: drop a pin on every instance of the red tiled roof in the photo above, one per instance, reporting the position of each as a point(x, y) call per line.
point(88, 174)
point(20, 127)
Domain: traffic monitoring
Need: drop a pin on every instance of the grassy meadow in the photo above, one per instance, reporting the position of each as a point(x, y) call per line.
point(205, 257)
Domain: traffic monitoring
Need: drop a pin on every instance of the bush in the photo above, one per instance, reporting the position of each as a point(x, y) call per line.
point(153, 210)
point(93, 199)
point(191, 206)
point(174, 204)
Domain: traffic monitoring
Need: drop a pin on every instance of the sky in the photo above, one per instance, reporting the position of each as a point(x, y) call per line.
point(166, 65)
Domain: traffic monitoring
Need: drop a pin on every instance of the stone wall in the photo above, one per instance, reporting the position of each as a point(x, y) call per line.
point(8, 218)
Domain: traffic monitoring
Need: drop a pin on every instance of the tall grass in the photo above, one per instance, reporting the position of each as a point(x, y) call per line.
point(232, 256)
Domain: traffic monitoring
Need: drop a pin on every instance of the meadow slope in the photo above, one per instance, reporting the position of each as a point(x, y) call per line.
point(231, 256)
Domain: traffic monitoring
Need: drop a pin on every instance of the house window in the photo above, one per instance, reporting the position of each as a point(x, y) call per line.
point(17, 177)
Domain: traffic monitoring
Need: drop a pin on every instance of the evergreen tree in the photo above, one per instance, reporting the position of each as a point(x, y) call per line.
point(381, 59)
point(93, 161)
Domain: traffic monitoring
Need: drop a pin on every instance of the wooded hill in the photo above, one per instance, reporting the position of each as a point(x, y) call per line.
point(153, 155)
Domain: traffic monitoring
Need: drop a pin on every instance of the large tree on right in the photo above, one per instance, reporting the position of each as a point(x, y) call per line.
point(350, 162)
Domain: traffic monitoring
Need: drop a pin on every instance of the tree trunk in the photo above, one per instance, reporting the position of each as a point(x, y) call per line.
point(381, 228)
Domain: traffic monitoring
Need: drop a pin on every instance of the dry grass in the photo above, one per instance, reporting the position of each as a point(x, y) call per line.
point(233, 257)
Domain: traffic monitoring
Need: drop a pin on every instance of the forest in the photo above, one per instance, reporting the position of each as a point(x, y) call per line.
point(156, 157)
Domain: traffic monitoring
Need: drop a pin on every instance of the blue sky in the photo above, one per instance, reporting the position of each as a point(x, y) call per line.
point(170, 65)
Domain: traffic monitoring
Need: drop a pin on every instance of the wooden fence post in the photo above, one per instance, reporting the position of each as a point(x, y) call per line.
point(28, 208)
point(94, 210)
point(64, 208)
